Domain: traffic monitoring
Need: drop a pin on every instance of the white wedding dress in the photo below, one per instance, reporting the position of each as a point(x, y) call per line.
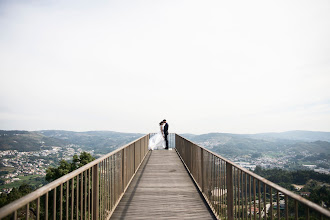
point(157, 141)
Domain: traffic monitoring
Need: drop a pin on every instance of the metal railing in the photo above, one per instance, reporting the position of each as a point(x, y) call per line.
point(233, 192)
point(90, 192)
point(94, 190)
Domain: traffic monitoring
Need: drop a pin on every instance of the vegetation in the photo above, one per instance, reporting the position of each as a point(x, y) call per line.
point(52, 174)
point(35, 181)
point(16, 193)
point(66, 167)
point(315, 183)
point(300, 177)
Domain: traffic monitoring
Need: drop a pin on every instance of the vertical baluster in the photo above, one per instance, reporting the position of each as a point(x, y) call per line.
point(54, 204)
point(101, 190)
point(243, 193)
point(217, 184)
point(106, 177)
point(213, 181)
point(226, 189)
point(224, 212)
point(113, 163)
point(296, 209)
point(67, 201)
point(239, 193)
point(219, 188)
point(111, 174)
point(259, 198)
point(265, 202)
point(72, 197)
point(224, 200)
point(222, 189)
point(98, 185)
point(307, 213)
point(286, 207)
point(278, 205)
point(229, 186)
point(61, 201)
point(246, 196)
point(250, 197)
point(92, 195)
point(210, 176)
point(89, 193)
point(95, 199)
point(77, 198)
point(38, 208)
point(254, 199)
point(85, 174)
point(115, 178)
point(220, 173)
point(106, 186)
point(235, 192)
point(202, 170)
point(15, 215)
point(27, 211)
point(271, 202)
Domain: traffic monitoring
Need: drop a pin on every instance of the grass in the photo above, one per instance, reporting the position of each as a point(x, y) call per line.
point(9, 169)
point(30, 179)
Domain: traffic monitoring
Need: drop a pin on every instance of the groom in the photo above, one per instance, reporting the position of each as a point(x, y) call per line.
point(166, 133)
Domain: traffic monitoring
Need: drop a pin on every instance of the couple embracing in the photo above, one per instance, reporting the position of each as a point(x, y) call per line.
point(159, 140)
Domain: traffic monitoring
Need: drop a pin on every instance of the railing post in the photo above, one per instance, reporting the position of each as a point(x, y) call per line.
point(202, 169)
point(134, 158)
point(123, 169)
point(230, 196)
point(95, 192)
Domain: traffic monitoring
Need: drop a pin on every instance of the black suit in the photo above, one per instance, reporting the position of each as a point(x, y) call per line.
point(166, 133)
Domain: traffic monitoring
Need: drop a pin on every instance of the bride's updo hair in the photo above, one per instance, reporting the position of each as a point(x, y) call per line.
point(161, 123)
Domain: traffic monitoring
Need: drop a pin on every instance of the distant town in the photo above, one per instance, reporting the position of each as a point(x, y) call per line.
point(17, 165)
point(284, 159)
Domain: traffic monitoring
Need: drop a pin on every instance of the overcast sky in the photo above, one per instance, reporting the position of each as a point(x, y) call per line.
point(205, 66)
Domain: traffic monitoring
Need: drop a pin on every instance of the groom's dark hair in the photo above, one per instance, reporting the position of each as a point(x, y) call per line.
point(164, 120)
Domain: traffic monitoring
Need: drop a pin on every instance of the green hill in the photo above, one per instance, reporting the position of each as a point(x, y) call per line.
point(26, 141)
point(241, 144)
point(99, 141)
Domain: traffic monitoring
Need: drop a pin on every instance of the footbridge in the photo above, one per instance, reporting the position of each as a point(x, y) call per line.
point(186, 182)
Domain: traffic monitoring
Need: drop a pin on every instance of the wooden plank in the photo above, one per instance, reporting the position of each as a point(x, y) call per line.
point(162, 189)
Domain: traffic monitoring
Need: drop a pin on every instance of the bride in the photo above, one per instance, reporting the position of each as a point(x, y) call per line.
point(157, 141)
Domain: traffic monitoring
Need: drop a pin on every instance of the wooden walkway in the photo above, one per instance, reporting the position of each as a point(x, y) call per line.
point(162, 189)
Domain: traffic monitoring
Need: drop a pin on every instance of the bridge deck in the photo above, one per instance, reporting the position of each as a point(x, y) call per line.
point(162, 189)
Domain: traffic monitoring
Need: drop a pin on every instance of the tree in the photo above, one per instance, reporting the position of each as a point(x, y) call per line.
point(16, 193)
point(64, 168)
